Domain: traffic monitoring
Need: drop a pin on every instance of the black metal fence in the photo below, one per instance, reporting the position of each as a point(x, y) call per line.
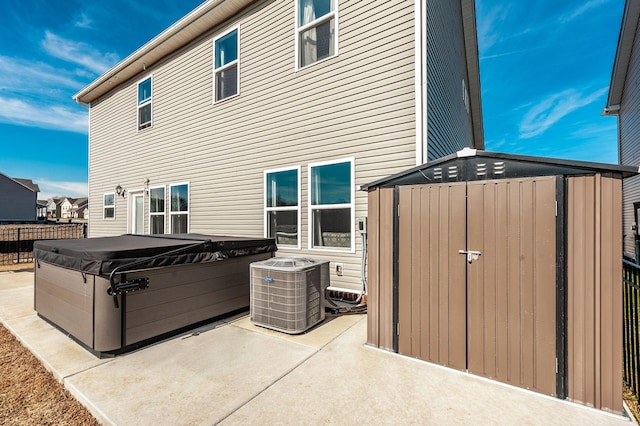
point(16, 241)
point(631, 326)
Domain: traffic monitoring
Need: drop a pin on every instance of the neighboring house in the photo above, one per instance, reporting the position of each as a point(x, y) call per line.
point(79, 207)
point(254, 118)
point(18, 199)
point(65, 208)
point(624, 101)
point(53, 207)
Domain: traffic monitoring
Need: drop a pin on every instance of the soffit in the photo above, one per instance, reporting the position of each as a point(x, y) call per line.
point(187, 29)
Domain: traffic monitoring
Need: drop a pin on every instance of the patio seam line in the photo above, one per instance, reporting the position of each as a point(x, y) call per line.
point(285, 374)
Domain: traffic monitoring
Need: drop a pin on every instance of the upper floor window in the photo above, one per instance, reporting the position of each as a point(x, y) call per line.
point(109, 206)
point(156, 210)
point(316, 30)
point(144, 103)
point(179, 208)
point(331, 210)
point(226, 65)
point(282, 206)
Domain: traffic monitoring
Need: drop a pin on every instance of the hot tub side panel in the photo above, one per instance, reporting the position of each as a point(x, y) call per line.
point(179, 296)
point(65, 298)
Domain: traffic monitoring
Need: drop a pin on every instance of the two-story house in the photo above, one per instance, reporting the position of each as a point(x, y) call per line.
point(263, 117)
point(624, 102)
point(18, 199)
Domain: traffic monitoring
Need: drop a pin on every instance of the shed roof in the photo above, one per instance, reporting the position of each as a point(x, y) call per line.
point(471, 164)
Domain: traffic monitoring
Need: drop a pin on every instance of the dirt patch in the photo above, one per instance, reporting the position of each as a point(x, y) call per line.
point(28, 392)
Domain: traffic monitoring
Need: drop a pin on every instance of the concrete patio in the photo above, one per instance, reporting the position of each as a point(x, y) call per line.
point(233, 372)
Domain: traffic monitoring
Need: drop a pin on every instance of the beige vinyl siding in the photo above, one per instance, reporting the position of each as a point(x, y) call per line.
point(360, 104)
point(629, 134)
point(449, 124)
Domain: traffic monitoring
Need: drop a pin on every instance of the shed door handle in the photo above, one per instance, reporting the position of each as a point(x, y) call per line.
point(471, 254)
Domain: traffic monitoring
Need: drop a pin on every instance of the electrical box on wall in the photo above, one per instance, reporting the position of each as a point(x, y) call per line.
point(362, 225)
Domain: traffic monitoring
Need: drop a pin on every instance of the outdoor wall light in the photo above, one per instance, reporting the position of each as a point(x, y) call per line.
point(120, 191)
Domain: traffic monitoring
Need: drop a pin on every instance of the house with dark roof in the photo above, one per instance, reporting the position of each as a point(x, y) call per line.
point(18, 199)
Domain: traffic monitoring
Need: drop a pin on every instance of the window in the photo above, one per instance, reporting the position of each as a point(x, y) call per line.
point(226, 66)
point(144, 104)
point(156, 210)
point(316, 30)
point(109, 206)
point(179, 208)
point(331, 209)
point(282, 201)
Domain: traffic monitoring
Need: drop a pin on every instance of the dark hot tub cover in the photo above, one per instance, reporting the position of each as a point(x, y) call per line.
point(100, 256)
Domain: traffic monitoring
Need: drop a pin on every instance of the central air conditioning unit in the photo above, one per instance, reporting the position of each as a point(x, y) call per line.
point(287, 294)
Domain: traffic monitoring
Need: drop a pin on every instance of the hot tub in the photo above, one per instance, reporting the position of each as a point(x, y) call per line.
point(114, 294)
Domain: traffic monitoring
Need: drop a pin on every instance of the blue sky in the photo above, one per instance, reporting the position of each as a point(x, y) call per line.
point(545, 68)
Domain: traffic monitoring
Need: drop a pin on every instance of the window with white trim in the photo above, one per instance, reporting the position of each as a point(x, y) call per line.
point(144, 103)
point(282, 206)
point(179, 208)
point(331, 209)
point(316, 30)
point(226, 67)
point(156, 210)
point(109, 206)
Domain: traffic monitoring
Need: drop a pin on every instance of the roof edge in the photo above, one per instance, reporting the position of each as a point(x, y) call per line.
point(469, 153)
point(623, 54)
point(187, 30)
point(23, 184)
point(470, 34)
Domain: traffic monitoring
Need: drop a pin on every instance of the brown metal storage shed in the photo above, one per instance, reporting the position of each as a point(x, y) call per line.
point(504, 266)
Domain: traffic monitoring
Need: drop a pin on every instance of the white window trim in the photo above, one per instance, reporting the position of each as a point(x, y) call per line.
point(351, 205)
point(164, 213)
point(104, 206)
point(167, 230)
point(226, 66)
point(150, 102)
point(268, 209)
point(297, 30)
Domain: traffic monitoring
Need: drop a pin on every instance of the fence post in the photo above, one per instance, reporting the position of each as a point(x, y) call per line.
point(18, 261)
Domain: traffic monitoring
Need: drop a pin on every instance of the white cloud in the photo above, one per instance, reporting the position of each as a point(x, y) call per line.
point(78, 53)
point(552, 109)
point(15, 111)
point(591, 4)
point(489, 25)
point(50, 189)
point(22, 75)
point(84, 21)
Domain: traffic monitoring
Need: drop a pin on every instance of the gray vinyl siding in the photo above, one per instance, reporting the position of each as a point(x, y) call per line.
point(17, 202)
point(629, 134)
point(449, 126)
point(360, 104)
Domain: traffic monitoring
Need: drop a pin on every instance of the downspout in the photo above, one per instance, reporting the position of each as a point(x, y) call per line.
point(420, 55)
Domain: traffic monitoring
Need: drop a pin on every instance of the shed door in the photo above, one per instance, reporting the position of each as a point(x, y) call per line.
point(494, 317)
